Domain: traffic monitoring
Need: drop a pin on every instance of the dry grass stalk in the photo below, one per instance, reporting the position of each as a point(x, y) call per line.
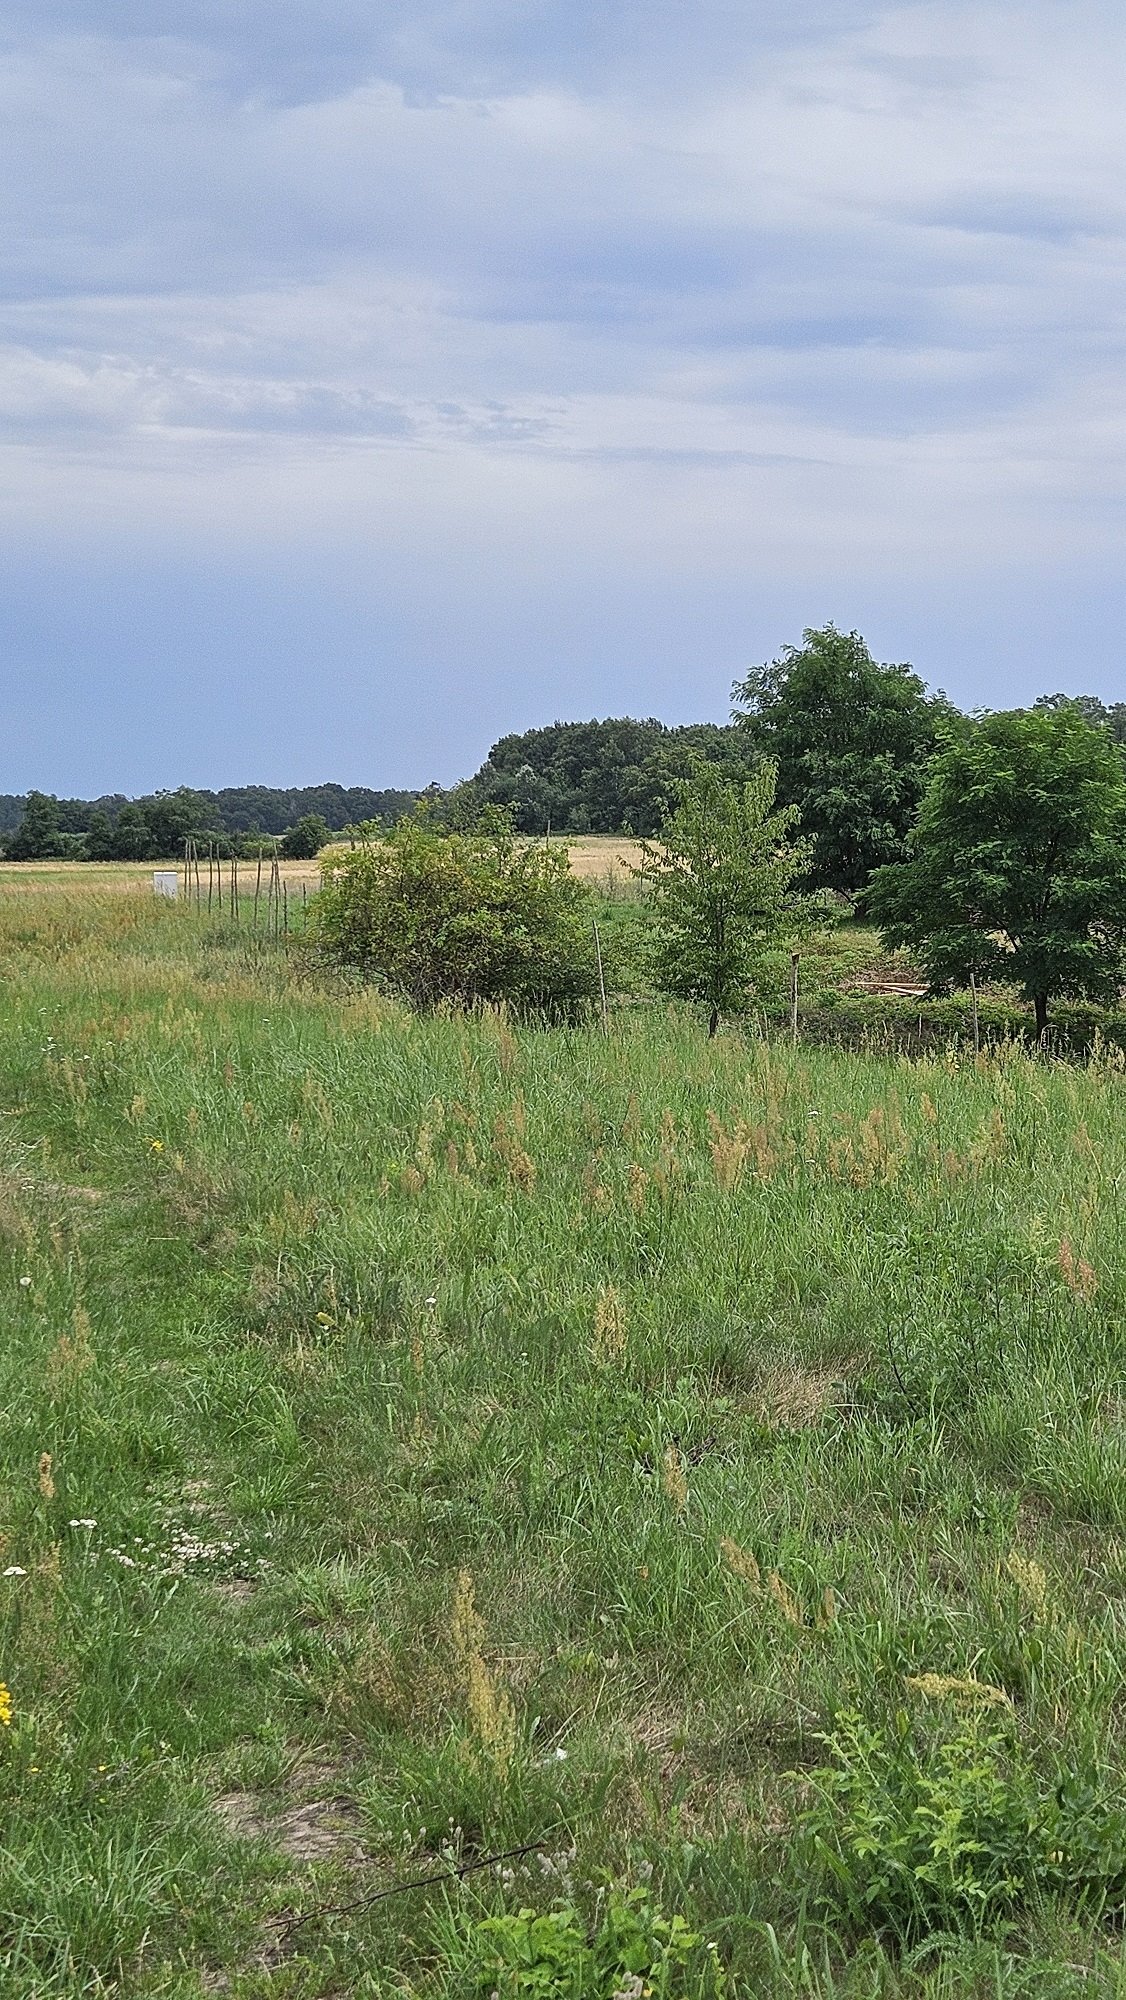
point(672, 1478)
point(952, 1687)
point(1031, 1579)
point(1077, 1274)
point(790, 1605)
point(46, 1479)
point(609, 1332)
point(740, 1562)
point(492, 1716)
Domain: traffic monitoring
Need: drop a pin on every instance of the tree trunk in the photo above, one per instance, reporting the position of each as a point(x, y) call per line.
point(713, 1023)
point(1040, 1002)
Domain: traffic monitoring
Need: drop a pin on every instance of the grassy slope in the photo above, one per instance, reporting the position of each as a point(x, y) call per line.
point(327, 1304)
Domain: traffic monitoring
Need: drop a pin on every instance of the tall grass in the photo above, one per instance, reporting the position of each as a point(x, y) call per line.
point(502, 1436)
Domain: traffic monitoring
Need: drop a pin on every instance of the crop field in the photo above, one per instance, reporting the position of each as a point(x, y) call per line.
point(673, 1490)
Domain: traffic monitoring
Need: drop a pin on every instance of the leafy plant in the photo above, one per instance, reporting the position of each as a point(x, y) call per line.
point(915, 1835)
point(460, 917)
point(632, 1951)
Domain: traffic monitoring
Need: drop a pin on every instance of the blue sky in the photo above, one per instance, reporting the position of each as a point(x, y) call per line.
point(378, 379)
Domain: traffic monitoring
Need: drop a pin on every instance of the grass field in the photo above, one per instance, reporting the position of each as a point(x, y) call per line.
point(701, 1464)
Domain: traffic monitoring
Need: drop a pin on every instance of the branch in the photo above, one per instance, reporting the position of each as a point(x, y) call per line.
point(291, 1924)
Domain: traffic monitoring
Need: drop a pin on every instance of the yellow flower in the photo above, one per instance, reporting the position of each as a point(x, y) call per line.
point(5, 1706)
point(156, 1145)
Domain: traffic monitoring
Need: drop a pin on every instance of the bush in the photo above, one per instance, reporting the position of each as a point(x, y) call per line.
point(914, 1833)
point(460, 917)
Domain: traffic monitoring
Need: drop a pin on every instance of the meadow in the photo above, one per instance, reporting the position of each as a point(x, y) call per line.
point(700, 1466)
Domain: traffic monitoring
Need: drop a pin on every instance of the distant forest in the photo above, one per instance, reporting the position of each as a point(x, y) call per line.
point(851, 740)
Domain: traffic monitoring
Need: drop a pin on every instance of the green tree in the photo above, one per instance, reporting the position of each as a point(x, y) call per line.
point(851, 740)
point(1017, 868)
point(721, 886)
point(132, 840)
point(99, 838)
point(461, 917)
point(304, 841)
point(38, 836)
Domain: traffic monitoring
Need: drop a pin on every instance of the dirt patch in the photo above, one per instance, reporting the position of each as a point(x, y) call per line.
point(242, 1815)
point(324, 1829)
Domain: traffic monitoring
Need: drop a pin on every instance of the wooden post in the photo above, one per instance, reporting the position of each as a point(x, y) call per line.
point(795, 960)
point(257, 887)
point(601, 977)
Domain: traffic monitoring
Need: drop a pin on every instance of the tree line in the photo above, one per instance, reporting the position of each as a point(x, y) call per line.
point(852, 741)
point(239, 820)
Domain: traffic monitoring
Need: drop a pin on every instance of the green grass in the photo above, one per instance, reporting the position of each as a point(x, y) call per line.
point(317, 1308)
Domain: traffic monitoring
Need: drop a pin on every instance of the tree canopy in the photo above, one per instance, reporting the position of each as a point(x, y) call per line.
point(1017, 867)
point(616, 776)
point(851, 740)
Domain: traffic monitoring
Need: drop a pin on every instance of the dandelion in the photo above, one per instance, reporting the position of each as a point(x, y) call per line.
point(156, 1145)
point(5, 1706)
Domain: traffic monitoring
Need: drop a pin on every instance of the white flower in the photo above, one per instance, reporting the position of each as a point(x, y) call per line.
point(25, 1282)
point(14, 1569)
point(561, 1756)
point(84, 1524)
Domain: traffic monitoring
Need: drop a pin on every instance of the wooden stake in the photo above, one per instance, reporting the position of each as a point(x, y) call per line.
point(601, 976)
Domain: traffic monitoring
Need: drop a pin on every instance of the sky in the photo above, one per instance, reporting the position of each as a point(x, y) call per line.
point(380, 376)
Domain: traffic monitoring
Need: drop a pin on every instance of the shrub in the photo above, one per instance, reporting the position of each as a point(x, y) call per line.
point(914, 1834)
point(461, 917)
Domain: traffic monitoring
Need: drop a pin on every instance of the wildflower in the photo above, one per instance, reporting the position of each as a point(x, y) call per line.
point(5, 1706)
point(83, 1524)
point(156, 1145)
point(14, 1569)
point(24, 1283)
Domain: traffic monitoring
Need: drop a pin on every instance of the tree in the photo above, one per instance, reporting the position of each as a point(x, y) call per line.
point(1017, 868)
point(461, 917)
point(304, 841)
point(721, 886)
point(38, 836)
point(132, 840)
point(99, 838)
point(851, 740)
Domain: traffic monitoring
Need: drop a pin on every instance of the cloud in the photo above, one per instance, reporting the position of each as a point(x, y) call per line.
point(797, 292)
